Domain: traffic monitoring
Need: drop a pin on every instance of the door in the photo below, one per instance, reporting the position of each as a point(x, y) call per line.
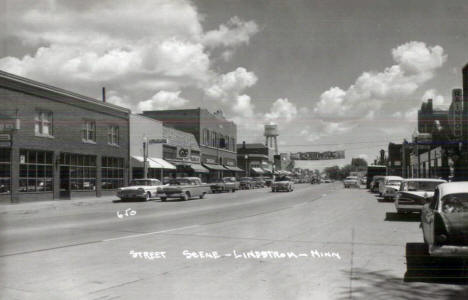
point(65, 182)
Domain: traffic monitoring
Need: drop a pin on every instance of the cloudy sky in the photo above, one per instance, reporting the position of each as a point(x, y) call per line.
point(335, 74)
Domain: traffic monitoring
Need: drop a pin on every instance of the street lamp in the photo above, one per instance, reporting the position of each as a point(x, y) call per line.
point(145, 157)
point(246, 157)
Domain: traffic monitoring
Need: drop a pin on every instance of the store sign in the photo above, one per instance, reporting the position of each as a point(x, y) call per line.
point(183, 152)
point(158, 141)
point(318, 155)
point(22, 159)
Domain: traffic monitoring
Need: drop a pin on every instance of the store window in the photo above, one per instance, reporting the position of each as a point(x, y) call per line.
point(88, 132)
point(36, 171)
point(43, 123)
point(82, 171)
point(5, 165)
point(112, 173)
point(113, 135)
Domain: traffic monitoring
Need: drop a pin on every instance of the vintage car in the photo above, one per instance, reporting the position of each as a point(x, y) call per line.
point(140, 189)
point(351, 181)
point(390, 186)
point(259, 182)
point(282, 183)
point(184, 188)
point(413, 194)
point(444, 220)
point(375, 183)
point(226, 184)
point(246, 183)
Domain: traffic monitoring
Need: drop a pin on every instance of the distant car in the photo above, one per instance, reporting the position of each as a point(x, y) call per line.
point(226, 184)
point(259, 182)
point(283, 183)
point(268, 181)
point(327, 180)
point(363, 180)
point(390, 187)
point(246, 183)
point(414, 193)
point(140, 189)
point(184, 188)
point(351, 181)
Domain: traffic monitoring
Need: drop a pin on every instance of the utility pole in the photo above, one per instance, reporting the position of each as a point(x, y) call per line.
point(145, 158)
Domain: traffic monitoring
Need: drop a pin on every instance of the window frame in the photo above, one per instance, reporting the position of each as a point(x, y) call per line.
point(86, 130)
point(43, 117)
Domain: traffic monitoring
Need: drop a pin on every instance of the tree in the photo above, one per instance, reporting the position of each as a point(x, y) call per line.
point(359, 164)
point(332, 172)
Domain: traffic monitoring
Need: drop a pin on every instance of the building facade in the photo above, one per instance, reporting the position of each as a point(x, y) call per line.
point(256, 159)
point(215, 136)
point(58, 145)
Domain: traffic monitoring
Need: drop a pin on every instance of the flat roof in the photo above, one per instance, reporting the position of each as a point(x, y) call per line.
point(58, 91)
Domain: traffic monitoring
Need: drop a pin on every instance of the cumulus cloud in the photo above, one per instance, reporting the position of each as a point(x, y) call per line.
point(433, 94)
point(136, 47)
point(162, 100)
point(228, 86)
point(235, 32)
point(416, 63)
point(281, 110)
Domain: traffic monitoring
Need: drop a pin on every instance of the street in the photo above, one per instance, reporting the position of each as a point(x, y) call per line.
point(91, 253)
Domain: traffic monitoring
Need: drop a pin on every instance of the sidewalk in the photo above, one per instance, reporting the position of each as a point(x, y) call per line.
point(34, 207)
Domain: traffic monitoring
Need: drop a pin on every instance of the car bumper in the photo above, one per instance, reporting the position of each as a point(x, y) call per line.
point(132, 196)
point(280, 188)
point(408, 207)
point(170, 195)
point(448, 251)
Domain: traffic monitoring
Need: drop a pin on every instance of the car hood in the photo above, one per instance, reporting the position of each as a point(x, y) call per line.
point(392, 186)
point(176, 187)
point(281, 182)
point(421, 194)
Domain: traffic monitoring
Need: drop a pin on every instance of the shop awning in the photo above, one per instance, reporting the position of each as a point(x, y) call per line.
point(151, 163)
point(215, 167)
point(258, 171)
point(199, 168)
point(163, 163)
point(235, 169)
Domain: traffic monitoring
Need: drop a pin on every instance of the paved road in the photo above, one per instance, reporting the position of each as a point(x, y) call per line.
point(337, 244)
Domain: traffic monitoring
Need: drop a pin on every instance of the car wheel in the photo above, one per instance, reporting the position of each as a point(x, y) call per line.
point(148, 196)
point(163, 199)
point(185, 197)
point(202, 195)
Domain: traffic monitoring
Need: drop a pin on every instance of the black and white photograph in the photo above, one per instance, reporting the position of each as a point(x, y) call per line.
point(233, 149)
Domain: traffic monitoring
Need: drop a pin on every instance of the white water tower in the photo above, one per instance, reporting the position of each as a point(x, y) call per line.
point(271, 132)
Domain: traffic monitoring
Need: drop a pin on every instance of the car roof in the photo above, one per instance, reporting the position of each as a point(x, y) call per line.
point(393, 178)
point(424, 180)
point(453, 188)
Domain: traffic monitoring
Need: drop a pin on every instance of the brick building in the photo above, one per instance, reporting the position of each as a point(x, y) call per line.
point(57, 145)
point(215, 136)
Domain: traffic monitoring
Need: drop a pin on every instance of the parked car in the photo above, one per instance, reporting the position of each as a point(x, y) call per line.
point(390, 187)
point(246, 183)
point(268, 181)
point(226, 184)
point(444, 223)
point(413, 194)
point(375, 183)
point(351, 181)
point(140, 189)
point(184, 188)
point(258, 182)
point(282, 183)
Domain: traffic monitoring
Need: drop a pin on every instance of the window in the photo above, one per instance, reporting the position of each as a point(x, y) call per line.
point(5, 180)
point(113, 135)
point(206, 137)
point(112, 173)
point(36, 172)
point(43, 123)
point(82, 171)
point(88, 132)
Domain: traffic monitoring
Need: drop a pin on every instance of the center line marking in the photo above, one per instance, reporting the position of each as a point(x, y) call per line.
point(148, 233)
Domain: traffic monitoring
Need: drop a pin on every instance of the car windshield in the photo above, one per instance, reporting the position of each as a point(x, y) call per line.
point(351, 177)
point(179, 181)
point(394, 182)
point(455, 203)
point(283, 178)
point(140, 182)
point(427, 186)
